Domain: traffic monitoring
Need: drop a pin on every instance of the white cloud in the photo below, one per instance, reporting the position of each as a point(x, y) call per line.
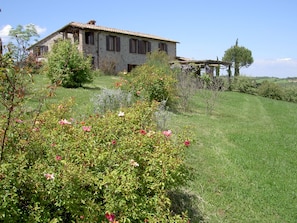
point(39, 29)
point(282, 68)
point(284, 59)
point(4, 32)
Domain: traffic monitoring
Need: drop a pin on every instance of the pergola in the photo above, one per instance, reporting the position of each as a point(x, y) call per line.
point(208, 65)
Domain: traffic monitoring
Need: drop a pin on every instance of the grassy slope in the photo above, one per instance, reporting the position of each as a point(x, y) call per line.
point(245, 159)
point(82, 96)
point(244, 155)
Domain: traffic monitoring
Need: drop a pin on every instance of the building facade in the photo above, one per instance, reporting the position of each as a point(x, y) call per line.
point(109, 48)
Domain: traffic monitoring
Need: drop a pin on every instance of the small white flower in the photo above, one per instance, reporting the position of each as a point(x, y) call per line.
point(121, 114)
point(134, 163)
point(49, 176)
point(150, 133)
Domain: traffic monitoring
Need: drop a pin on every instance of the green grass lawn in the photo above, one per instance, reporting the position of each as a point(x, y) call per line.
point(82, 96)
point(244, 154)
point(244, 159)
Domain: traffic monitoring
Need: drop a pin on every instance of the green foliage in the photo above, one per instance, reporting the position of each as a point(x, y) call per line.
point(239, 56)
point(119, 164)
point(22, 37)
point(265, 87)
point(290, 94)
point(270, 90)
point(244, 84)
point(67, 66)
point(154, 80)
point(13, 88)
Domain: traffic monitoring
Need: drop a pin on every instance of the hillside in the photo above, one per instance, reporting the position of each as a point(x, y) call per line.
point(243, 155)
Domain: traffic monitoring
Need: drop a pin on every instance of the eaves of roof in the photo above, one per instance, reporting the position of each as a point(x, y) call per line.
point(113, 30)
point(183, 60)
point(45, 38)
point(102, 28)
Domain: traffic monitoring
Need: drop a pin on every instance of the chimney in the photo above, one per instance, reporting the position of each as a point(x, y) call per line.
point(92, 22)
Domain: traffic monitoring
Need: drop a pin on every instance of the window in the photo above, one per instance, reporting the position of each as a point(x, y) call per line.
point(89, 36)
point(131, 66)
point(113, 43)
point(139, 46)
point(163, 47)
point(144, 47)
point(40, 50)
point(133, 43)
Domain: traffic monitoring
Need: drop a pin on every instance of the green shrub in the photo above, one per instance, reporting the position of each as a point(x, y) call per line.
point(104, 168)
point(270, 90)
point(244, 84)
point(290, 94)
point(154, 80)
point(67, 66)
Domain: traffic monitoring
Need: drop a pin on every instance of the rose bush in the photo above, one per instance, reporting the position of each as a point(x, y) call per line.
point(116, 167)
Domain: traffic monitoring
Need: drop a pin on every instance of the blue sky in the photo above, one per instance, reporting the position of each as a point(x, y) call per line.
point(205, 29)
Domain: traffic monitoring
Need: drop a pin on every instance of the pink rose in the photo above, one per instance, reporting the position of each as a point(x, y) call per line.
point(167, 133)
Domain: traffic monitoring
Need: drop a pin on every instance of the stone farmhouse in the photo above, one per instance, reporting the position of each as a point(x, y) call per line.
point(119, 49)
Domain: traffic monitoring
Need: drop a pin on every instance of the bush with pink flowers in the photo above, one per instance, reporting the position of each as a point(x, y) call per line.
point(112, 168)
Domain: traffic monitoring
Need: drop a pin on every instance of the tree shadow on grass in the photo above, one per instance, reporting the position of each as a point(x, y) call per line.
point(92, 88)
point(183, 201)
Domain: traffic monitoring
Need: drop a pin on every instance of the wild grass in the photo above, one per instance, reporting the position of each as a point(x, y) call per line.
point(243, 155)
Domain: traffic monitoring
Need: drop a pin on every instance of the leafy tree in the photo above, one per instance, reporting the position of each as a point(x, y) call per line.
point(67, 66)
point(21, 37)
point(239, 56)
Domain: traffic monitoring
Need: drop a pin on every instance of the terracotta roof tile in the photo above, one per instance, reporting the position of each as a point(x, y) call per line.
point(113, 30)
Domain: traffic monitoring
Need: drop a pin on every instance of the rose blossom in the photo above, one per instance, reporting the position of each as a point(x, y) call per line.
point(110, 217)
point(142, 132)
point(86, 128)
point(167, 133)
point(187, 143)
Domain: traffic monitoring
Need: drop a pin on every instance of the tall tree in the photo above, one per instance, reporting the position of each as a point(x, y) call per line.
point(218, 67)
point(21, 37)
point(239, 56)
